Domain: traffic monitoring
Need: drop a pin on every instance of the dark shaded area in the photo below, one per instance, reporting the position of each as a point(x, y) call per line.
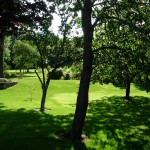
point(111, 123)
point(121, 124)
point(32, 130)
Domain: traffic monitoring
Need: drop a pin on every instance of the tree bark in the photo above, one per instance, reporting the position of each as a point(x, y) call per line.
point(45, 86)
point(44, 93)
point(82, 98)
point(1, 54)
point(128, 90)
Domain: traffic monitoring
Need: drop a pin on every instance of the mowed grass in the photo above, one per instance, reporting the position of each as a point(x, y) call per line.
point(112, 123)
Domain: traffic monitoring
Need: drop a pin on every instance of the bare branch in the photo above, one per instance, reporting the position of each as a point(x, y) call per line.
point(39, 77)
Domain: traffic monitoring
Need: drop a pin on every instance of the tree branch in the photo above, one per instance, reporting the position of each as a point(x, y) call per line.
point(38, 77)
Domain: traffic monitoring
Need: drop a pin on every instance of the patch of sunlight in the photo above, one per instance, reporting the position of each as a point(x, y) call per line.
point(143, 127)
point(102, 136)
point(65, 98)
point(94, 95)
point(138, 129)
point(110, 114)
point(118, 119)
point(103, 142)
point(127, 115)
point(119, 133)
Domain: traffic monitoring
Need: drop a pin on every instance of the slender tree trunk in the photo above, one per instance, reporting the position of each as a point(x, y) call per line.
point(1, 54)
point(128, 90)
point(28, 70)
point(44, 93)
point(82, 98)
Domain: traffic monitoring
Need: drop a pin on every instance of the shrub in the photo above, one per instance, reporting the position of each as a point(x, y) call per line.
point(67, 76)
point(9, 74)
point(57, 74)
point(3, 80)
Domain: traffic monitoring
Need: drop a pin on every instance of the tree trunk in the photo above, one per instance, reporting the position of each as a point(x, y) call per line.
point(45, 86)
point(44, 92)
point(128, 90)
point(28, 70)
point(82, 98)
point(1, 54)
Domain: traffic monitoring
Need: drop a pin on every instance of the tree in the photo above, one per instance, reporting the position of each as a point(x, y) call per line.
point(15, 14)
point(94, 14)
point(54, 52)
point(82, 99)
point(25, 55)
point(6, 53)
point(124, 63)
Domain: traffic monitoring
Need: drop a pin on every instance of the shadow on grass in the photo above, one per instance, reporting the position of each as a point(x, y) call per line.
point(114, 123)
point(32, 130)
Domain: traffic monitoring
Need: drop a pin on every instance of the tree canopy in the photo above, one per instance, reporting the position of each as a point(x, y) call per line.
point(16, 14)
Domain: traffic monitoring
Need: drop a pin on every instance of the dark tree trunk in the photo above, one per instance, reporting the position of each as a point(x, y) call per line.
point(28, 70)
point(44, 93)
point(128, 90)
point(45, 86)
point(82, 98)
point(11, 52)
point(1, 54)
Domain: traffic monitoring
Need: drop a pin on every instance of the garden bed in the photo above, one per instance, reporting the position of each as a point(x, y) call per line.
point(5, 83)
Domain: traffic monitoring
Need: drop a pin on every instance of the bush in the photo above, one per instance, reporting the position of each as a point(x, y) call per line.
point(3, 80)
point(57, 74)
point(67, 76)
point(9, 74)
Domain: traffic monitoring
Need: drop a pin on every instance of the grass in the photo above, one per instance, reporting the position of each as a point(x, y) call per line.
point(112, 123)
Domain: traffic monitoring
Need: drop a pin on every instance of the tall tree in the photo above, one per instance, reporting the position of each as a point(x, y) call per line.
point(15, 14)
point(124, 63)
point(82, 98)
point(94, 14)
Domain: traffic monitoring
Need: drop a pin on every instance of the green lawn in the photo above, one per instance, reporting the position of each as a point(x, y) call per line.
point(112, 123)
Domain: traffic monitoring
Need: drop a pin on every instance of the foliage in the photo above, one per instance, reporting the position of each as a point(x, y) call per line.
point(16, 15)
point(25, 55)
point(8, 74)
point(57, 74)
point(55, 51)
point(6, 53)
point(123, 50)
